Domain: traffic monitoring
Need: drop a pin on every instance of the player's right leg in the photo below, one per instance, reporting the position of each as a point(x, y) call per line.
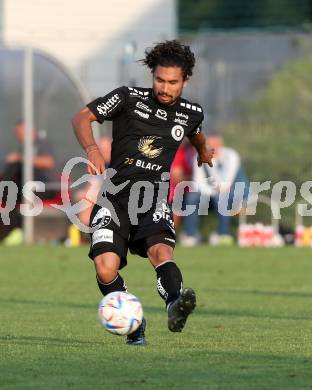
point(109, 246)
point(108, 279)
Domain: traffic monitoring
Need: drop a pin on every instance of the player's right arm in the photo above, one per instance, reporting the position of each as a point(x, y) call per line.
point(103, 108)
point(82, 127)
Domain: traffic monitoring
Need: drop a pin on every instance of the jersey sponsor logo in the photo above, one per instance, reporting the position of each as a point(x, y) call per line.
point(177, 132)
point(149, 166)
point(143, 107)
point(191, 107)
point(147, 148)
point(144, 115)
point(181, 115)
point(102, 218)
point(181, 118)
point(161, 114)
point(163, 212)
point(102, 235)
point(108, 106)
point(181, 121)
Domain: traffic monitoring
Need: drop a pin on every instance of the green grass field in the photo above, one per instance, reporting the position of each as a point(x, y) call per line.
point(252, 328)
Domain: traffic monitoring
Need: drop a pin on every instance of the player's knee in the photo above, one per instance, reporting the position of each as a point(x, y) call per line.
point(106, 275)
point(106, 267)
point(159, 253)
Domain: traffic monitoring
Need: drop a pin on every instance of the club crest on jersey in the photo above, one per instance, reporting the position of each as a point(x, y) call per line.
point(147, 148)
point(161, 114)
point(102, 218)
point(177, 132)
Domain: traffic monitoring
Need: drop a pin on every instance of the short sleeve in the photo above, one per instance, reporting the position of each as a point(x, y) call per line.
point(109, 106)
point(198, 126)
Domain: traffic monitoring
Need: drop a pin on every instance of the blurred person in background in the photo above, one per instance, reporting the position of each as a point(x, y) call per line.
point(181, 170)
point(211, 182)
point(43, 164)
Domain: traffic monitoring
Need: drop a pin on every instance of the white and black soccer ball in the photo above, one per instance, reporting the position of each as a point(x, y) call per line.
point(120, 313)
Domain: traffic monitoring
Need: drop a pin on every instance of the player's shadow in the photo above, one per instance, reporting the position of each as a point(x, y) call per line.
point(202, 311)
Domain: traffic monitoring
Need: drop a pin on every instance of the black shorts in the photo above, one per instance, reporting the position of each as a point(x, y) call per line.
point(154, 226)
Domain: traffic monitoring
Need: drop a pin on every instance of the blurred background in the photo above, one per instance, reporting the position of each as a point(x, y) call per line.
point(253, 73)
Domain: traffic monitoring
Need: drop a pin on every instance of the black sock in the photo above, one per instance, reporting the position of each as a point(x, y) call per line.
point(118, 284)
point(169, 281)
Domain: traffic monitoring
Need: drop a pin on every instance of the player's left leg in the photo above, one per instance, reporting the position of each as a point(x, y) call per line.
point(180, 302)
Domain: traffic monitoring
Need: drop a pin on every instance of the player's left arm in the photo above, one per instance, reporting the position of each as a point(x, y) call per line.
point(205, 154)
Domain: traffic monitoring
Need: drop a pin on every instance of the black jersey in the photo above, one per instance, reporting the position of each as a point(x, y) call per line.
point(146, 133)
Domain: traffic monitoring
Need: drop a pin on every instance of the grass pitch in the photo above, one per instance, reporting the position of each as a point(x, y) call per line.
point(252, 328)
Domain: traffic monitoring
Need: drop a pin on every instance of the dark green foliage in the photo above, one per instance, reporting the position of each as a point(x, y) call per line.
point(274, 134)
point(227, 14)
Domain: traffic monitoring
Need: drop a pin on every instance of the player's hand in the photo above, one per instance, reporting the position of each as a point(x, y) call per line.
point(97, 166)
point(13, 158)
point(205, 156)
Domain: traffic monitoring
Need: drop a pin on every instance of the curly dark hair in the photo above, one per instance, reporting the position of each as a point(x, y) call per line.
point(170, 53)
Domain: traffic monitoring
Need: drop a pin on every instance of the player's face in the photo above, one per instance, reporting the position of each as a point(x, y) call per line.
point(168, 84)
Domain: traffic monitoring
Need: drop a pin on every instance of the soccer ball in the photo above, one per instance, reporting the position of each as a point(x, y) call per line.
point(120, 313)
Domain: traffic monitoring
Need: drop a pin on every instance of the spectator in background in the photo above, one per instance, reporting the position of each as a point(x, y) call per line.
point(181, 170)
point(211, 183)
point(43, 163)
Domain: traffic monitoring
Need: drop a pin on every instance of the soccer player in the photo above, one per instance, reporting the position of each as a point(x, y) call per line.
point(148, 126)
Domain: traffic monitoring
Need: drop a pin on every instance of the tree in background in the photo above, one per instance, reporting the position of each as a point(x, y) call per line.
point(194, 15)
point(273, 134)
